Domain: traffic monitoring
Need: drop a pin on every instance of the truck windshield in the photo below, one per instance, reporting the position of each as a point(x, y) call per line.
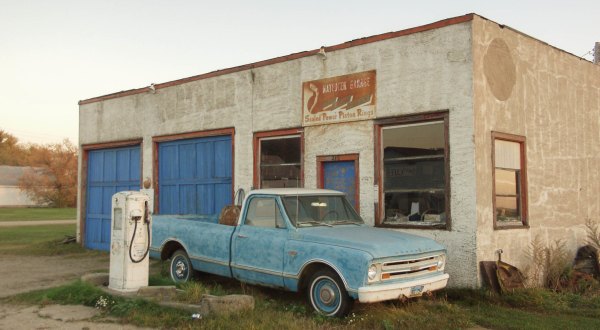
point(306, 211)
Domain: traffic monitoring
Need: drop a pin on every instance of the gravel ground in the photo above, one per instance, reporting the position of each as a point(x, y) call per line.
point(25, 273)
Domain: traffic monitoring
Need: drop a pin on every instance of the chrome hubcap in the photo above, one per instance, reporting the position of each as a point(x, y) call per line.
point(180, 268)
point(327, 295)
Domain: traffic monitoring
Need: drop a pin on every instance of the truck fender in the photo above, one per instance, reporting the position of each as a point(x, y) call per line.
point(169, 246)
point(312, 266)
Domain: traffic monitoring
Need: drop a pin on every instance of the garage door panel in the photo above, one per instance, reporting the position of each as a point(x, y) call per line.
point(167, 198)
point(107, 193)
point(223, 159)
point(222, 190)
point(206, 193)
point(134, 167)
point(203, 164)
point(187, 161)
point(187, 199)
point(109, 171)
point(123, 165)
point(169, 170)
point(95, 172)
point(94, 193)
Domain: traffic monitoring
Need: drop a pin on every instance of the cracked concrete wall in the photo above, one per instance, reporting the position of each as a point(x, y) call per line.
point(525, 87)
point(416, 73)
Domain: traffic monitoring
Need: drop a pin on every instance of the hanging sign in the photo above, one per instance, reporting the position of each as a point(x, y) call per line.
point(339, 99)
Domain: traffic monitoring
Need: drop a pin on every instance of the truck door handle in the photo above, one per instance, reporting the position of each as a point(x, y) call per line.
point(242, 236)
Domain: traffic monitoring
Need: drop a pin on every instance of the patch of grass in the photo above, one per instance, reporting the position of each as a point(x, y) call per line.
point(450, 309)
point(76, 293)
point(36, 213)
point(39, 240)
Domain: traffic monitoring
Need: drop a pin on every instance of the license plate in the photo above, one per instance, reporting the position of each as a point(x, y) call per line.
point(416, 290)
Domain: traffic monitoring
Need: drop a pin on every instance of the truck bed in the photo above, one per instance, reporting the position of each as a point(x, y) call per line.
point(209, 252)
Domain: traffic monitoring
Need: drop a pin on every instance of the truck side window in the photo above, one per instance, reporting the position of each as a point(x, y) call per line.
point(264, 212)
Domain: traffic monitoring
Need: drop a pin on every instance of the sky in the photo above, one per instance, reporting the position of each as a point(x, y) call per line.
point(55, 53)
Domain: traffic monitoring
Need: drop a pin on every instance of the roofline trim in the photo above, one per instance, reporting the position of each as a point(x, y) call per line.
point(281, 59)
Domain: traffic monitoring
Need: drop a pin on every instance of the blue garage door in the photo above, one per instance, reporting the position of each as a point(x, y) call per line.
point(109, 171)
point(195, 175)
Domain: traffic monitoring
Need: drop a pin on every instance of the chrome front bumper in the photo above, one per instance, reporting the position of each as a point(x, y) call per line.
point(382, 292)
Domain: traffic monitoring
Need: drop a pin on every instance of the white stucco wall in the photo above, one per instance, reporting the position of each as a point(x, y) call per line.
point(420, 72)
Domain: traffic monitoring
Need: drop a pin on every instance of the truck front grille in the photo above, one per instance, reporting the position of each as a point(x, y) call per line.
point(402, 269)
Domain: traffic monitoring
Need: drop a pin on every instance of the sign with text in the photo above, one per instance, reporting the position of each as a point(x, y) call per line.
point(339, 99)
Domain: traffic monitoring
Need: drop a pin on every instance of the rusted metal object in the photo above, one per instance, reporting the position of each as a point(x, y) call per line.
point(509, 276)
point(229, 215)
point(587, 262)
point(488, 275)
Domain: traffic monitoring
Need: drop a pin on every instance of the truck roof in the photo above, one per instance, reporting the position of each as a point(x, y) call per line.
point(295, 191)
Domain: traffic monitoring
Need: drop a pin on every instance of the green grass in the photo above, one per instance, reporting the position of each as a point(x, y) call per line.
point(450, 309)
point(41, 213)
point(39, 240)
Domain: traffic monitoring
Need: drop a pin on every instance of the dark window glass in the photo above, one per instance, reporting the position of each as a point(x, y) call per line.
point(280, 162)
point(414, 174)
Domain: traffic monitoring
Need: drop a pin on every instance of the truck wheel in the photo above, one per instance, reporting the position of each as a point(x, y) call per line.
point(181, 267)
point(327, 294)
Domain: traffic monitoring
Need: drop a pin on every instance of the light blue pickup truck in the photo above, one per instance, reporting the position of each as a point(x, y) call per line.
point(308, 240)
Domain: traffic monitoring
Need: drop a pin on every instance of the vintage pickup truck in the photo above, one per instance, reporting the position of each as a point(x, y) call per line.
point(303, 239)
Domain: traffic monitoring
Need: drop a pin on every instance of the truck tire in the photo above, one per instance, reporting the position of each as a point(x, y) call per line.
point(327, 295)
point(180, 268)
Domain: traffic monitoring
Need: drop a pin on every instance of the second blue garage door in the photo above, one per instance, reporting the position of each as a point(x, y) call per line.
point(195, 175)
point(109, 171)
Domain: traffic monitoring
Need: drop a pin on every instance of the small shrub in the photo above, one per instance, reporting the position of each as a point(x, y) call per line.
point(558, 265)
point(550, 265)
point(536, 253)
point(192, 292)
point(593, 233)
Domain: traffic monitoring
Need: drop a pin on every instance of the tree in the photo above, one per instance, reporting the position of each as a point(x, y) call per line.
point(10, 152)
point(54, 180)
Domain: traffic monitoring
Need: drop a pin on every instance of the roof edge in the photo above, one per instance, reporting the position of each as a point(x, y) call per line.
point(281, 59)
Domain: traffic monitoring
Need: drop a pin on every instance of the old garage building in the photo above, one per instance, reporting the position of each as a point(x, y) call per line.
point(463, 130)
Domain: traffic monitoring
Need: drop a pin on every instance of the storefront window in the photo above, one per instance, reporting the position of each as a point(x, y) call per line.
point(414, 174)
point(280, 162)
point(509, 181)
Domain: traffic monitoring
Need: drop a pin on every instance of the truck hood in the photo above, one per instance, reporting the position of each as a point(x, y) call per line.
point(378, 242)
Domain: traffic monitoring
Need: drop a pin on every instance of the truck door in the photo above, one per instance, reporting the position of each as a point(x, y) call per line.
point(259, 243)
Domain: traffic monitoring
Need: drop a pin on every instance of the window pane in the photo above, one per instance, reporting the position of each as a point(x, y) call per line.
point(506, 182)
point(507, 209)
point(263, 212)
point(507, 154)
point(415, 207)
point(414, 174)
point(280, 165)
point(280, 151)
point(281, 176)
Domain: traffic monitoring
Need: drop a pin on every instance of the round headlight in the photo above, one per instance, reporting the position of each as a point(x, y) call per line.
point(440, 263)
point(372, 272)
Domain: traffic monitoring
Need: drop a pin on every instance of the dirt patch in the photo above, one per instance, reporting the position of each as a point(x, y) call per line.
point(55, 317)
point(26, 273)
